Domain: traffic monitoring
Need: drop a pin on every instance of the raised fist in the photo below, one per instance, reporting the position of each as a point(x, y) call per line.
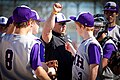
point(57, 7)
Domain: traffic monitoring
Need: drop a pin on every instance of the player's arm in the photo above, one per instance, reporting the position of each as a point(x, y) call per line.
point(107, 52)
point(93, 71)
point(41, 74)
point(94, 53)
point(50, 23)
point(36, 63)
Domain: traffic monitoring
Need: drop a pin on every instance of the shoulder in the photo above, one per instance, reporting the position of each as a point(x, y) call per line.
point(111, 43)
point(118, 26)
point(93, 41)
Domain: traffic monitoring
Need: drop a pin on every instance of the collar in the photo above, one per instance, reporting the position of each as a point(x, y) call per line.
point(57, 34)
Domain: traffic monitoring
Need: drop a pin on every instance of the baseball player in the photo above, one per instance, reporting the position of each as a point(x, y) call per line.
point(108, 48)
point(20, 54)
point(111, 12)
point(34, 30)
point(87, 57)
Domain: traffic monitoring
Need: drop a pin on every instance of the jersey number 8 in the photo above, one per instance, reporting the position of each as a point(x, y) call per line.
point(8, 57)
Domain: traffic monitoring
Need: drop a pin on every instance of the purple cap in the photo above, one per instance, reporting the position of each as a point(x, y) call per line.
point(10, 21)
point(22, 14)
point(111, 6)
point(37, 17)
point(85, 18)
point(61, 18)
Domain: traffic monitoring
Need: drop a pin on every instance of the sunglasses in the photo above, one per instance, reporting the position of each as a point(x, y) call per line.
point(109, 7)
point(62, 23)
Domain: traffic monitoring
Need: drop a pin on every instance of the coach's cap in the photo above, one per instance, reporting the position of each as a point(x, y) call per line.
point(61, 18)
point(22, 14)
point(85, 18)
point(3, 20)
point(111, 6)
point(10, 21)
point(37, 17)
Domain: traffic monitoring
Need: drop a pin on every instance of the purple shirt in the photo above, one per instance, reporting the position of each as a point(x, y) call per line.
point(107, 51)
point(94, 54)
point(35, 60)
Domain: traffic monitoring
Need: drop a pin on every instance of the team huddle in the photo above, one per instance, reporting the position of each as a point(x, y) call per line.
point(52, 56)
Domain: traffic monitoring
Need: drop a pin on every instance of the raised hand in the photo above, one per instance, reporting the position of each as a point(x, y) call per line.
point(57, 7)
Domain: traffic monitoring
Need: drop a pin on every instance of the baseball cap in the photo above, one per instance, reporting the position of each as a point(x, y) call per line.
point(85, 18)
point(111, 6)
point(37, 17)
point(10, 21)
point(22, 14)
point(3, 20)
point(61, 18)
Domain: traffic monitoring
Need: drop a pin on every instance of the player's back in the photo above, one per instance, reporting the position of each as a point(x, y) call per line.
point(15, 57)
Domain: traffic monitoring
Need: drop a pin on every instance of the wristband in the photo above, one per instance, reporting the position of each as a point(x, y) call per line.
point(54, 12)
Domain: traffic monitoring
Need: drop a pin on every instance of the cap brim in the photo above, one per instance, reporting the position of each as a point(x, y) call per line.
point(73, 18)
point(64, 21)
point(41, 20)
point(109, 10)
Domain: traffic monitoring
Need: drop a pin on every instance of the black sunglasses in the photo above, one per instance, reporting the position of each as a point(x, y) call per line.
point(109, 7)
point(62, 23)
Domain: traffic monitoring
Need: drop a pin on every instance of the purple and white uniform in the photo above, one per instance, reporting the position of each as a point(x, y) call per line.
point(108, 48)
point(20, 57)
point(42, 48)
point(115, 32)
point(89, 52)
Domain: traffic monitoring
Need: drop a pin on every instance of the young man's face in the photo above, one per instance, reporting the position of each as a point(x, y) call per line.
point(79, 28)
point(111, 16)
point(35, 27)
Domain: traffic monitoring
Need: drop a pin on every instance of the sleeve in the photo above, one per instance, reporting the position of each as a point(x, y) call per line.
point(35, 57)
point(108, 49)
point(94, 54)
point(48, 44)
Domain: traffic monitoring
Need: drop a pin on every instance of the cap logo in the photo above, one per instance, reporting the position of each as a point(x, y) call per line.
point(85, 23)
point(3, 20)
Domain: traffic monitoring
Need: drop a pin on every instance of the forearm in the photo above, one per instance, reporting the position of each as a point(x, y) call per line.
point(93, 71)
point(104, 62)
point(50, 23)
point(47, 29)
point(42, 74)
